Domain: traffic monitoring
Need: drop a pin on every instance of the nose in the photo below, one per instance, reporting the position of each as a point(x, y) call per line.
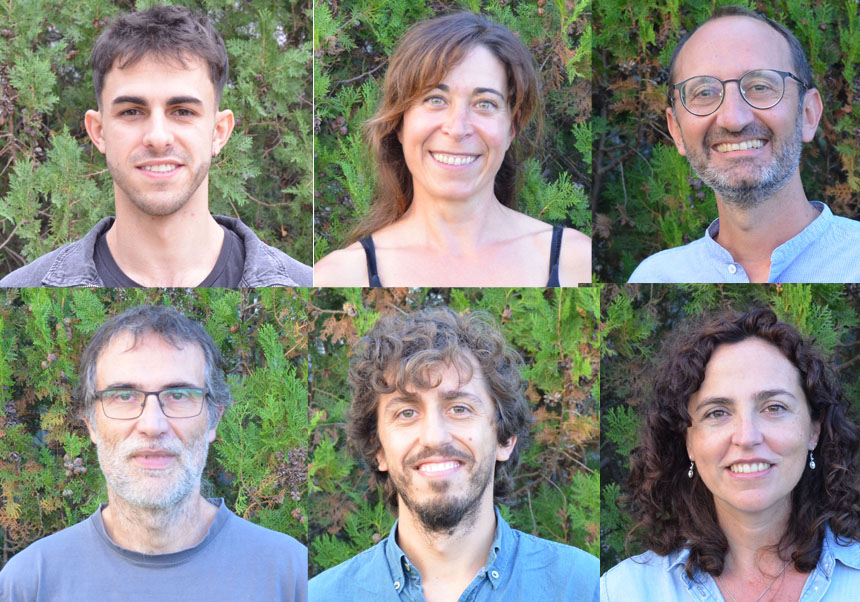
point(734, 113)
point(435, 430)
point(747, 431)
point(457, 122)
point(158, 135)
point(152, 422)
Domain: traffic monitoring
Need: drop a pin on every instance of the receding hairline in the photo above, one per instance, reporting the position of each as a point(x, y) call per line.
point(137, 339)
point(786, 54)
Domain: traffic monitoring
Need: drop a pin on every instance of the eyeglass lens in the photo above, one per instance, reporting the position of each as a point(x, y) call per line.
point(762, 89)
point(175, 403)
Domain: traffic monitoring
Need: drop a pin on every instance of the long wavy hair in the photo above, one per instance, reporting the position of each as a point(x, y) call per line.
point(424, 56)
point(672, 511)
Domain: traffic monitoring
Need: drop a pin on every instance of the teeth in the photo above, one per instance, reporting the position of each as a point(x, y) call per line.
point(735, 146)
point(747, 468)
point(454, 159)
point(438, 467)
point(160, 168)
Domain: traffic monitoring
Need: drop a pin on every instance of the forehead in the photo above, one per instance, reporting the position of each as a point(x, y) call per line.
point(155, 77)
point(730, 46)
point(737, 369)
point(462, 374)
point(479, 67)
point(150, 361)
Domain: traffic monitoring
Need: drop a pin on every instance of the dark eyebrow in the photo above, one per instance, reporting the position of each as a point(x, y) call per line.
point(445, 88)
point(173, 100)
point(449, 395)
point(179, 384)
point(762, 395)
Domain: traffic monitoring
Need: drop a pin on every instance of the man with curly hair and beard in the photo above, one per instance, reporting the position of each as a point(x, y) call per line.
point(741, 103)
point(438, 412)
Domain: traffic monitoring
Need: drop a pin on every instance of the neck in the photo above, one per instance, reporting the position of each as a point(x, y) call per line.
point(751, 234)
point(158, 531)
point(753, 540)
point(173, 250)
point(456, 227)
point(449, 558)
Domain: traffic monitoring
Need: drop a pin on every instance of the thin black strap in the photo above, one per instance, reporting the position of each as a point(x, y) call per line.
point(555, 252)
point(370, 255)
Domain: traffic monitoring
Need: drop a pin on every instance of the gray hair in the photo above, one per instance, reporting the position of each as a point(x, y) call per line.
point(170, 325)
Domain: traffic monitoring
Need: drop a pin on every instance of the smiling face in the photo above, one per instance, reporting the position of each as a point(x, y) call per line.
point(151, 462)
point(751, 429)
point(440, 448)
point(455, 136)
point(159, 128)
point(744, 154)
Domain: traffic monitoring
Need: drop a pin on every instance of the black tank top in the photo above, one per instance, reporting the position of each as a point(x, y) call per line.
point(554, 253)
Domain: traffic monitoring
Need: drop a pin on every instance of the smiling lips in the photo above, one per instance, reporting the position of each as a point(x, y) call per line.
point(454, 159)
point(726, 147)
point(750, 467)
point(433, 467)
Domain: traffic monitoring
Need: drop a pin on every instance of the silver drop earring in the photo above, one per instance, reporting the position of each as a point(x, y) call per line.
point(690, 472)
point(811, 461)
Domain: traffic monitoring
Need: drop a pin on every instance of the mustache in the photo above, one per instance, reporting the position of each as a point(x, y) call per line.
point(127, 449)
point(446, 451)
point(722, 135)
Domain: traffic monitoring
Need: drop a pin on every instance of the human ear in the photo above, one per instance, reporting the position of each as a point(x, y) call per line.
point(506, 449)
point(210, 434)
point(675, 131)
point(224, 123)
point(93, 124)
point(816, 431)
point(812, 109)
point(381, 464)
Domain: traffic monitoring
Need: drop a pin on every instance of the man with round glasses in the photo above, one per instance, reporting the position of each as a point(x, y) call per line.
point(741, 103)
point(152, 392)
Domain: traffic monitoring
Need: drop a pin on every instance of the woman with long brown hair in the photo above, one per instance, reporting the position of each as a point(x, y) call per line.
point(745, 485)
point(459, 92)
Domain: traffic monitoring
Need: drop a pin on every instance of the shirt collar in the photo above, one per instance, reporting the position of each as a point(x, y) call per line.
point(787, 252)
point(404, 573)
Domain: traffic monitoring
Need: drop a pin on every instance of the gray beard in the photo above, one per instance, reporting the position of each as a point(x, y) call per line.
point(752, 191)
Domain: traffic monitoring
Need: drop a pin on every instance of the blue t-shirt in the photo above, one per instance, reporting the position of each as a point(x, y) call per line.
point(236, 561)
point(519, 567)
point(649, 577)
point(827, 250)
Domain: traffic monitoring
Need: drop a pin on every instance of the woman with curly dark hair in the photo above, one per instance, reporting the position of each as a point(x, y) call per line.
point(745, 485)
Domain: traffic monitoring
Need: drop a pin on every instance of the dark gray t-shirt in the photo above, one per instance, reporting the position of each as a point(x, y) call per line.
point(236, 561)
point(227, 272)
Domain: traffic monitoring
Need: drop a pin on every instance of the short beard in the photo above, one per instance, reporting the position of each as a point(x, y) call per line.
point(750, 192)
point(122, 480)
point(445, 513)
point(160, 208)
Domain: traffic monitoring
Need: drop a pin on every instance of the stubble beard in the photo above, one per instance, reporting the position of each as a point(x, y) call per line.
point(752, 189)
point(444, 512)
point(132, 484)
point(151, 202)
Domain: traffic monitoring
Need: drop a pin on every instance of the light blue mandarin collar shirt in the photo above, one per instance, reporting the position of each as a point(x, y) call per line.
point(649, 577)
point(519, 567)
point(827, 250)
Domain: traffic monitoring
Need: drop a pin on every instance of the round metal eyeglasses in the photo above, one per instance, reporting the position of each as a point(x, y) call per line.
point(128, 404)
point(761, 89)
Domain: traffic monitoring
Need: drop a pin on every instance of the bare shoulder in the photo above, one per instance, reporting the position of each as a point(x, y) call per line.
point(575, 261)
point(346, 267)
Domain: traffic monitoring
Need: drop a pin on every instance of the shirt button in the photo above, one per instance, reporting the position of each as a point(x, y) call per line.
point(732, 268)
point(494, 574)
point(408, 568)
point(397, 585)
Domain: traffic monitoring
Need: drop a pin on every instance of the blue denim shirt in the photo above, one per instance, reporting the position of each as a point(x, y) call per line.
point(827, 250)
point(519, 568)
point(650, 577)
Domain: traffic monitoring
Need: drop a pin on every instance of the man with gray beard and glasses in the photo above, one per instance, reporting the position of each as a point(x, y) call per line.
point(741, 103)
point(438, 412)
point(152, 392)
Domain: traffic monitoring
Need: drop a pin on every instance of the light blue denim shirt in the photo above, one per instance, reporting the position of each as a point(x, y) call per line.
point(649, 577)
point(827, 250)
point(519, 568)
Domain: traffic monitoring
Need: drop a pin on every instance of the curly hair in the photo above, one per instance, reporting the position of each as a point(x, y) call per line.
point(425, 54)
point(401, 352)
point(672, 511)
